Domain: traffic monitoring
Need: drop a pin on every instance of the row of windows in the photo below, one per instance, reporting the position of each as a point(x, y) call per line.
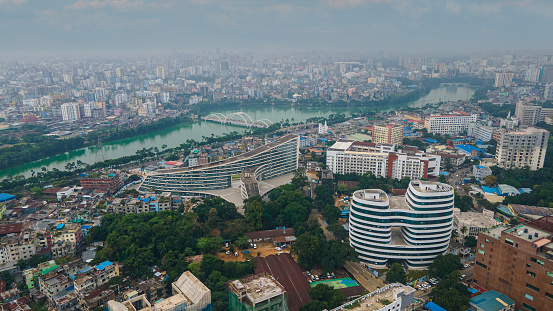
point(402, 249)
point(403, 214)
point(403, 221)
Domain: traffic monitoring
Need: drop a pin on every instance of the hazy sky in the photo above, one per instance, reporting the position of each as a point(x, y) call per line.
point(77, 26)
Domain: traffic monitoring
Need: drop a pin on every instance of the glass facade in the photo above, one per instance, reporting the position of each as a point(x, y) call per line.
point(415, 231)
point(272, 160)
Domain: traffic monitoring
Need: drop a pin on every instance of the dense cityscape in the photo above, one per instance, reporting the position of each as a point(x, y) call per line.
point(294, 176)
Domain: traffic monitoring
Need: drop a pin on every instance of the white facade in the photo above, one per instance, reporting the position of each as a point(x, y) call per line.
point(480, 172)
point(345, 157)
point(323, 129)
point(70, 112)
point(449, 124)
point(88, 107)
point(522, 148)
point(415, 228)
point(482, 132)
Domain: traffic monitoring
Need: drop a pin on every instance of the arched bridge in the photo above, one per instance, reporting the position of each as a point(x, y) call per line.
point(454, 84)
point(238, 118)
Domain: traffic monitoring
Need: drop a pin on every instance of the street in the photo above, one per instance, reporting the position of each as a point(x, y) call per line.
point(364, 277)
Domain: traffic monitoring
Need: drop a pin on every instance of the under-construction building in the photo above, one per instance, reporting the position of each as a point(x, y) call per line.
point(257, 292)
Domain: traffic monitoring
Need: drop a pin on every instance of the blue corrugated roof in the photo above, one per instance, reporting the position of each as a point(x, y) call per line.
point(60, 226)
point(434, 307)
point(6, 197)
point(103, 265)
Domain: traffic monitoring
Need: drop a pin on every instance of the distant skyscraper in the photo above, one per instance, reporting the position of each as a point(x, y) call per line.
point(70, 112)
point(522, 148)
point(160, 72)
point(548, 92)
point(503, 79)
point(532, 75)
point(546, 75)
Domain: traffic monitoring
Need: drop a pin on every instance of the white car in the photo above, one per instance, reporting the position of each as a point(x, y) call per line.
point(278, 248)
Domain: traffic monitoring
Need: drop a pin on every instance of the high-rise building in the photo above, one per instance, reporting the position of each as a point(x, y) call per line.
point(518, 262)
point(160, 72)
point(87, 108)
point(351, 157)
point(481, 132)
point(527, 113)
point(546, 74)
point(70, 111)
point(503, 79)
point(388, 134)
point(449, 124)
point(548, 92)
point(413, 229)
point(532, 75)
point(522, 148)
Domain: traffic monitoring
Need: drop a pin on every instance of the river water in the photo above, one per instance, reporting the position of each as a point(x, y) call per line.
point(176, 135)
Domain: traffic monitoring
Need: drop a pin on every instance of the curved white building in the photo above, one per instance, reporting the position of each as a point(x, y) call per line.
point(414, 228)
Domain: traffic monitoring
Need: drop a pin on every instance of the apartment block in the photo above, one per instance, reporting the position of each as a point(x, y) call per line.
point(449, 124)
point(518, 149)
point(518, 262)
point(481, 132)
point(257, 292)
point(388, 134)
point(346, 156)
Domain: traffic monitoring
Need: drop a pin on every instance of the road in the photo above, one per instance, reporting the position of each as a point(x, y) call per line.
point(456, 178)
point(364, 277)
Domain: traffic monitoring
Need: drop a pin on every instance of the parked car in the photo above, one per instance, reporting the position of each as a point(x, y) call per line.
point(278, 248)
point(227, 253)
point(255, 246)
point(246, 251)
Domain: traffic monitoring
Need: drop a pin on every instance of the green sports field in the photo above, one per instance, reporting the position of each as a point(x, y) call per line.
point(336, 283)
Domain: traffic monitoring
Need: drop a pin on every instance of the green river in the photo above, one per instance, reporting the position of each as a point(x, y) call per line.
point(176, 135)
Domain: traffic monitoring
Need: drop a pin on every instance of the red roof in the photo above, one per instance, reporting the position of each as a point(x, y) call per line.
point(11, 228)
point(288, 273)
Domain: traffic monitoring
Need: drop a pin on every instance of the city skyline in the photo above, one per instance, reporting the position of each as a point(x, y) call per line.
point(127, 26)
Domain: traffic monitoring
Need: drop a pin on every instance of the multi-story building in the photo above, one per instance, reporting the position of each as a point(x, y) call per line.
point(160, 72)
point(347, 156)
point(271, 160)
point(108, 183)
point(518, 262)
point(14, 248)
point(548, 92)
point(480, 172)
point(388, 134)
point(522, 148)
point(449, 124)
point(70, 111)
point(95, 277)
point(55, 284)
point(503, 79)
point(414, 228)
point(473, 222)
point(66, 239)
point(481, 132)
point(509, 123)
point(527, 113)
point(189, 294)
point(257, 292)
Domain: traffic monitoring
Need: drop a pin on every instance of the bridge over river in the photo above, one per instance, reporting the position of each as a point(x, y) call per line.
point(239, 119)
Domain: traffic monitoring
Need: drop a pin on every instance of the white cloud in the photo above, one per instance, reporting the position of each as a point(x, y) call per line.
point(98, 4)
point(13, 1)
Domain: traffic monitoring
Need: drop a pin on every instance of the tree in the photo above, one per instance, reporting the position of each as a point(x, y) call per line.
point(470, 241)
point(212, 219)
point(243, 242)
point(335, 253)
point(513, 221)
point(342, 188)
point(444, 265)
point(396, 274)
point(331, 297)
point(331, 214)
point(114, 281)
point(448, 164)
point(464, 230)
point(300, 178)
point(307, 248)
point(490, 180)
point(254, 214)
point(338, 231)
point(450, 294)
point(442, 179)
point(37, 190)
point(210, 245)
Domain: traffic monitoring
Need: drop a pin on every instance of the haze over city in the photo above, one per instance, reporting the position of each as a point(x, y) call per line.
point(31, 27)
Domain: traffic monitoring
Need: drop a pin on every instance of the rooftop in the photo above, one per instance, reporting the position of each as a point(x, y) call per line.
point(491, 301)
point(259, 287)
point(375, 195)
point(379, 298)
point(476, 219)
point(430, 187)
point(527, 233)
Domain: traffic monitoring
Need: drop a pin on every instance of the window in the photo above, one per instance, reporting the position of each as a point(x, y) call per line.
point(532, 287)
point(481, 252)
point(528, 296)
point(549, 274)
point(527, 265)
point(530, 273)
point(528, 307)
point(532, 259)
point(510, 242)
point(482, 245)
point(548, 295)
